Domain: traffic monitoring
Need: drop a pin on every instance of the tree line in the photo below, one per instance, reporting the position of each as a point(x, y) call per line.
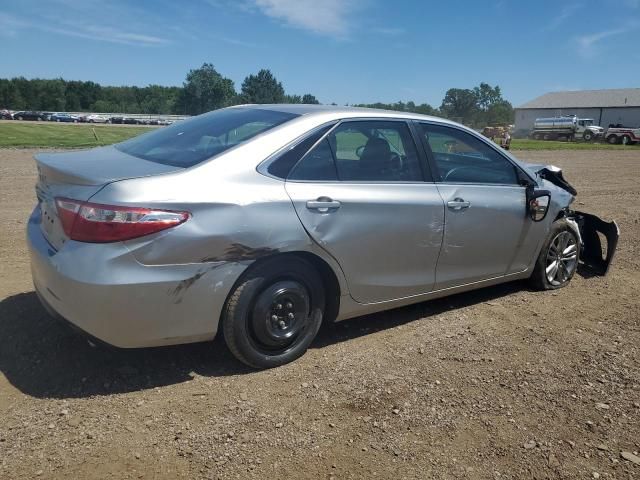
point(477, 107)
point(205, 89)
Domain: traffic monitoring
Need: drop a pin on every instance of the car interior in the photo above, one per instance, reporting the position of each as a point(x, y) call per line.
point(460, 158)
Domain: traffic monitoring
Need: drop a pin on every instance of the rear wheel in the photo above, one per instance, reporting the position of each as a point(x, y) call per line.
point(274, 313)
point(558, 259)
point(612, 139)
point(626, 140)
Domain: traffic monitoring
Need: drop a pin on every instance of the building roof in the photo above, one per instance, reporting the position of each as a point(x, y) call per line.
point(616, 97)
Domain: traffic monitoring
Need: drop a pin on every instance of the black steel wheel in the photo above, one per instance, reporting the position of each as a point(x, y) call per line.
point(612, 139)
point(280, 313)
point(274, 312)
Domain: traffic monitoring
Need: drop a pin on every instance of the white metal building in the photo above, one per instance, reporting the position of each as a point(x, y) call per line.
point(613, 106)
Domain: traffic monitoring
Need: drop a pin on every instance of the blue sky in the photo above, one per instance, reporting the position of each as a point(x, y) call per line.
point(343, 51)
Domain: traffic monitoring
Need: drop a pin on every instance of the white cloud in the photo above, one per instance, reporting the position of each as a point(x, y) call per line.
point(391, 31)
point(325, 17)
point(564, 13)
point(589, 41)
point(83, 19)
point(588, 45)
point(106, 34)
point(10, 25)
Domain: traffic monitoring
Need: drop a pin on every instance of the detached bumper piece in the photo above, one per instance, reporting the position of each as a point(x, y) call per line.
point(593, 256)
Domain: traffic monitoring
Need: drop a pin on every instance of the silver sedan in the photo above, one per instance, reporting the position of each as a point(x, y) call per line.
point(265, 221)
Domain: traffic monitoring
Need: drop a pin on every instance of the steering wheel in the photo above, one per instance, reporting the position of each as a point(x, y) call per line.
point(453, 171)
point(360, 151)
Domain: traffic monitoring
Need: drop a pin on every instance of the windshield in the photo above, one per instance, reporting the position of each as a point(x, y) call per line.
point(588, 122)
point(192, 141)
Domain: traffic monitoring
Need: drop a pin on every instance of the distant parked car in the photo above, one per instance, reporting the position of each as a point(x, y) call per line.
point(63, 117)
point(30, 115)
point(131, 121)
point(95, 118)
point(6, 115)
point(116, 120)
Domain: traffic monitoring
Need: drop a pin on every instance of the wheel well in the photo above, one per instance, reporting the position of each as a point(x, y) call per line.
point(561, 214)
point(329, 279)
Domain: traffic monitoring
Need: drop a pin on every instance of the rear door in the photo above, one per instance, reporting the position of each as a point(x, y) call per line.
point(362, 195)
point(486, 226)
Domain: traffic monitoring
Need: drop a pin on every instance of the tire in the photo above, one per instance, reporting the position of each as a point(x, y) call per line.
point(626, 140)
point(537, 136)
point(18, 118)
point(274, 312)
point(587, 136)
point(612, 139)
point(566, 263)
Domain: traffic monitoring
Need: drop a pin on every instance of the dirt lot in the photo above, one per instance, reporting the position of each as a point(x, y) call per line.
point(503, 383)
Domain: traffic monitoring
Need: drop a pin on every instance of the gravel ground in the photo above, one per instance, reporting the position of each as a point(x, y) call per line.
point(501, 383)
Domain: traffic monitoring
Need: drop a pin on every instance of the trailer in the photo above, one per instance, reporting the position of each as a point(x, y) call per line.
point(568, 127)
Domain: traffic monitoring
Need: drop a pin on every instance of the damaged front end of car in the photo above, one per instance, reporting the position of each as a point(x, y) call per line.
point(598, 239)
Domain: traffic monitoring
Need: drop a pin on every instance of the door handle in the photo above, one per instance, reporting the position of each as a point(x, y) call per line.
point(458, 204)
point(323, 204)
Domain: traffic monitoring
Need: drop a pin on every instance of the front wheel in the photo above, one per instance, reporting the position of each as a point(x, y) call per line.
point(612, 139)
point(587, 136)
point(274, 313)
point(558, 259)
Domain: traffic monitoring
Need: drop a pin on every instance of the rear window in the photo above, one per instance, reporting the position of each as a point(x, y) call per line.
point(192, 141)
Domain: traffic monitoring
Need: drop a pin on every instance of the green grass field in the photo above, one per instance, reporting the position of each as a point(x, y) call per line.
point(526, 144)
point(55, 135)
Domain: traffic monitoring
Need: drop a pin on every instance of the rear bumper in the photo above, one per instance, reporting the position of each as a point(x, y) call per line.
point(104, 291)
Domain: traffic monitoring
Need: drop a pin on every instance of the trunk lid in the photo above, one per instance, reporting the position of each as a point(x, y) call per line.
point(80, 175)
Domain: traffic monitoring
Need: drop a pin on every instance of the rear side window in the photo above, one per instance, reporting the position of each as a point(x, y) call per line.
point(281, 166)
point(316, 165)
point(380, 151)
point(192, 141)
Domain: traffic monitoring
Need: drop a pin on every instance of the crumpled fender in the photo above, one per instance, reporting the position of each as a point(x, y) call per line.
point(592, 255)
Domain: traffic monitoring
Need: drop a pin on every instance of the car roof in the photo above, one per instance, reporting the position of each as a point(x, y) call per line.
point(342, 112)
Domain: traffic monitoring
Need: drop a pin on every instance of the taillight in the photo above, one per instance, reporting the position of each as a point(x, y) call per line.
point(97, 223)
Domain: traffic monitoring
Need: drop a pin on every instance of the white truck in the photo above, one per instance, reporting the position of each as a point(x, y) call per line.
point(568, 127)
point(623, 135)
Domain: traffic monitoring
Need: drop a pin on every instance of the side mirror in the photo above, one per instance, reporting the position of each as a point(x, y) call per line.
point(538, 204)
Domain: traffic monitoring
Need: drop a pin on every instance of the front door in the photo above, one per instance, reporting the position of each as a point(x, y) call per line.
point(361, 195)
point(486, 224)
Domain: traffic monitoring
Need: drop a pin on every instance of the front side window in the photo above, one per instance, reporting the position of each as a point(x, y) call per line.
point(462, 158)
point(192, 141)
